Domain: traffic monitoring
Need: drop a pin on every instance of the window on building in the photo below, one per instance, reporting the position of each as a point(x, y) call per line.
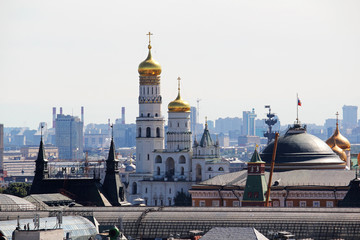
point(221, 169)
point(182, 159)
point(169, 190)
point(209, 169)
point(186, 124)
point(212, 152)
point(148, 114)
point(134, 188)
point(145, 190)
point(156, 115)
point(289, 203)
point(158, 159)
point(169, 202)
point(302, 204)
point(148, 132)
point(139, 131)
point(316, 203)
point(148, 157)
point(146, 201)
point(158, 171)
point(329, 204)
point(236, 203)
point(148, 90)
point(157, 132)
point(276, 204)
point(152, 90)
point(202, 203)
point(178, 124)
point(161, 202)
point(224, 203)
point(155, 202)
point(182, 171)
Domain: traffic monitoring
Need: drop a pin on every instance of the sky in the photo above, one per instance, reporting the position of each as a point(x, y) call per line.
point(234, 55)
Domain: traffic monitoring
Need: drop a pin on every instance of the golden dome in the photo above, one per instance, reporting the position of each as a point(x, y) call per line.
point(179, 105)
point(341, 153)
point(338, 139)
point(149, 67)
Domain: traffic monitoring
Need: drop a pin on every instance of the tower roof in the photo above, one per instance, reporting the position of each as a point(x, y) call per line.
point(206, 138)
point(149, 67)
point(179, 105)
point(41, 154)
point(256, 157)
point(338, 139)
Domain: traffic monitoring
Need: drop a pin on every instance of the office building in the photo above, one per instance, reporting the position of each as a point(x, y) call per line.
point(349, 116)
point(249, 122)
point(69, 137)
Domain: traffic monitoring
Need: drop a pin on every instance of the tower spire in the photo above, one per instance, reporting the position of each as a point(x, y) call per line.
point(149, 34)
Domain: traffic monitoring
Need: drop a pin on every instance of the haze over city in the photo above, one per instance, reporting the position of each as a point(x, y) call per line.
point(233, 55)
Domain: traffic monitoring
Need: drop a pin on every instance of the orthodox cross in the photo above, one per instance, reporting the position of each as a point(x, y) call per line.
point(337, 118)
point(149, 34)
point(179, 83)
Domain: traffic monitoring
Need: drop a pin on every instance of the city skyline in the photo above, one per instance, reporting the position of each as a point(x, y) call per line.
point(234, 56)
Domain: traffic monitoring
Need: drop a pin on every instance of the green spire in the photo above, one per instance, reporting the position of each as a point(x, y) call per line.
point(256, 157)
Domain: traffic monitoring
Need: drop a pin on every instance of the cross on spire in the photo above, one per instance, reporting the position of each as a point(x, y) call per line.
point(179, 83)
point(149, 34)
point(112, 131)
point(337, 118)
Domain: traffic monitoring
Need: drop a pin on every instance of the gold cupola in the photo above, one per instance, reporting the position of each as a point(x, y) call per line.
point(341, 153)
point(149, 67)
point(337, 139)
point(179, 105)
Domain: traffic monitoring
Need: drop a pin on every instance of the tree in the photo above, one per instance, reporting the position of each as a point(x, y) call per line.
point(18, 189)
point(182, 199)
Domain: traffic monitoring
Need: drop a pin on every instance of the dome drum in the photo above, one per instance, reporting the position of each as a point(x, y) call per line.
point(149, 80)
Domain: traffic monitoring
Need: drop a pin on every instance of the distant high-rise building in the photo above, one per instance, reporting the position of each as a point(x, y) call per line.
point(350, 116)
point(224, 125)
point(249, 122)
point(69, 137)
point(1, 146)
point(193, 119)
point(123, 115)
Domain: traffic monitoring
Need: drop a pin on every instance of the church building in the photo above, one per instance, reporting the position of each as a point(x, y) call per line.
point(162, 173)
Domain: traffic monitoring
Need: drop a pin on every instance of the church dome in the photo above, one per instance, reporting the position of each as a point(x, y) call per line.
point(341, 153)
point(179, 105)
point(299, 150)
point(339, 140)
point(149, 67)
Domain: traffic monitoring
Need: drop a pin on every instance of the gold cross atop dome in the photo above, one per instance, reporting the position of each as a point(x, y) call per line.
point(179, 83)
point(149, 34)
point(337, 118)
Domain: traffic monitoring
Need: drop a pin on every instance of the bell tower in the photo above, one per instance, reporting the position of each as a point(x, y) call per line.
point(150, 122)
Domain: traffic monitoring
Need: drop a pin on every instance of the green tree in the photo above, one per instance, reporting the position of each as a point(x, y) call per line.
point(182, 199)
point(18, 189)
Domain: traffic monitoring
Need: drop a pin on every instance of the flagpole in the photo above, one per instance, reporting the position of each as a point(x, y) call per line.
point(297, 108)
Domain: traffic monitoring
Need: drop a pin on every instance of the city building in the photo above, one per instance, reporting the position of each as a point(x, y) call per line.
point(249, 123)
point(69, 137)
point(1, 146)
point(350, 116)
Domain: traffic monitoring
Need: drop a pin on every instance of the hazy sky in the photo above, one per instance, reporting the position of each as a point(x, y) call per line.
point(233, 55)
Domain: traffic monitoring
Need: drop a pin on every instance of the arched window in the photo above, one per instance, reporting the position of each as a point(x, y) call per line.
point(156, 115)
point(158, 159)
point(182, 171)
point(134, 188)
point(148, 115)
point(182, 159)
point(198, 173)
point(178, 124)
point(152, 90)
point(148, 157)
point(209, 169)
point(158, 171)
point(170, 167)
point(221, 169)
point(148, 132)
point(139, 132)
point(148, 90)
point(157, 132)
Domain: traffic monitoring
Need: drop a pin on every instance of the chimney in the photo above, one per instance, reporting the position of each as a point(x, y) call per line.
point(61, 110)
point(54, 117)
point(82, 114)
point(123, 115)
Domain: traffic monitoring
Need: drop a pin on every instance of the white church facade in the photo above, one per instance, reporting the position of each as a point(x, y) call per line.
point(163, 172)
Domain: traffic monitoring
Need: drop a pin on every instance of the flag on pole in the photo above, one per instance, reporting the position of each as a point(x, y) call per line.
point(299, 102)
